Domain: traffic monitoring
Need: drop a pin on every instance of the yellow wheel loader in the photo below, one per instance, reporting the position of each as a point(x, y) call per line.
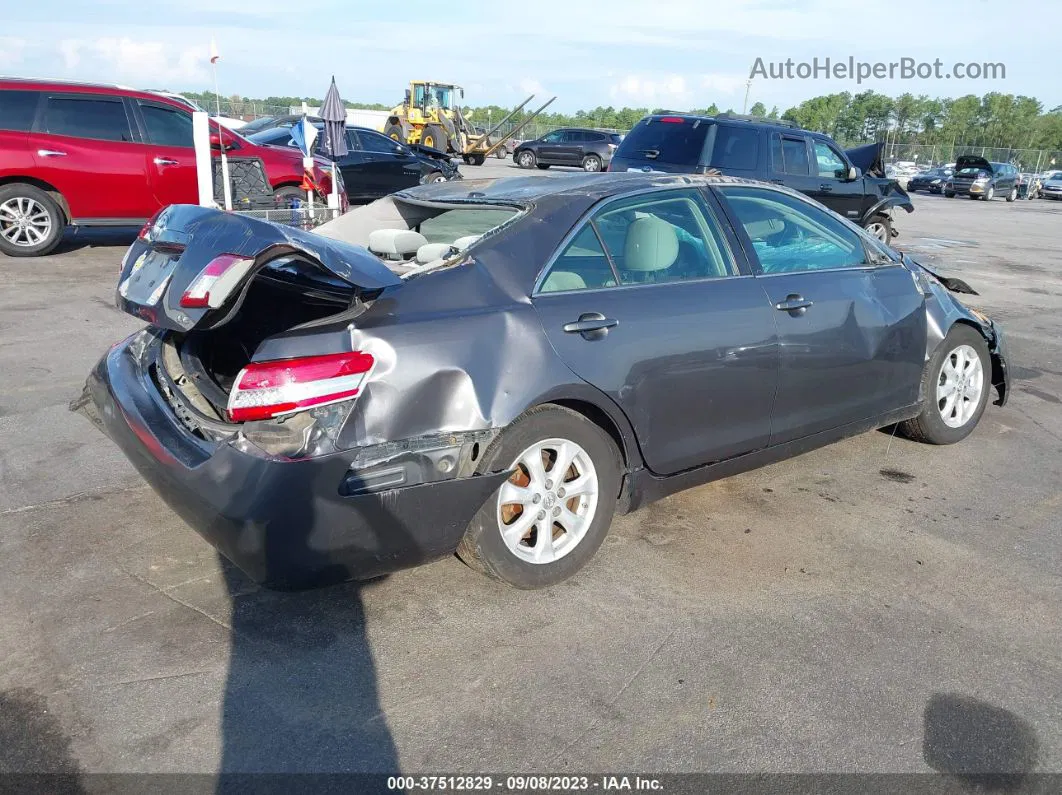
point(430, 115)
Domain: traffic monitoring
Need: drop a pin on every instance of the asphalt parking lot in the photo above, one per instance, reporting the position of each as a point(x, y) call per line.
point(874, 606)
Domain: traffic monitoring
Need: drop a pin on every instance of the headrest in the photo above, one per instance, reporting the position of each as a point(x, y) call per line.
point(464, 242)
point(651, 245)
point(430, 252)
point(563, 280)
point(758, 230)
point(395, 242)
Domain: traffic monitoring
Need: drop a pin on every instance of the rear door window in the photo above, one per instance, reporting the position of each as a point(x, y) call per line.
point(167, 126)
point(736, 148)
point(17, 109)
point(88, 116)
point(678, 142)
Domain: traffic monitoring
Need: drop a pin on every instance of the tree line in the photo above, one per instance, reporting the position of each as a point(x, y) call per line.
point(994, 120)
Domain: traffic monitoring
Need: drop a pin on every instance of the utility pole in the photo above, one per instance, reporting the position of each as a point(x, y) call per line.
point(748, 87)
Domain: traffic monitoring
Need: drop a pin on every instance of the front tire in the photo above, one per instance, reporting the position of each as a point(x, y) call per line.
point(31, 222)
point(955, 388)
point(551, 516)
point(526, 159)
point(880, 227)
point(990, 193)
point(433, 177)
point(1012, 195)
point(434, 137)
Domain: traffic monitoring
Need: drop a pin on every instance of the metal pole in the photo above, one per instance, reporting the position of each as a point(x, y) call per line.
point(745, 104)
point(226, 187)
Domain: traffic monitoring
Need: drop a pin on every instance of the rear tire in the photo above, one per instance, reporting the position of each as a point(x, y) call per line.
point(525, 159)
point(949, 194)
point(282, 196)
point(543, 166)
point(577, 521)
point(476, 160)
point(592, 163)
point(950, 410)
point(31, 221)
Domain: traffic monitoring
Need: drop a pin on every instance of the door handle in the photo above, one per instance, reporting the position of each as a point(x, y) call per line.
point(50, 153)
point(778, 181)
point(592, 325)
point(165, 161)
point(794, 304)
point(825, 188)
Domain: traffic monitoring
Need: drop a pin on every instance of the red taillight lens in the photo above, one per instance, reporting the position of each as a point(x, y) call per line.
point(269, 389)
point(145, 231)
point(672, 120)
point(214, 283)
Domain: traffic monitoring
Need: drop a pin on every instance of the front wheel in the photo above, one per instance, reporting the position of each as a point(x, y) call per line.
point(435, 176)
point(949, 194)
point(1012, 195)
point(549, 518)
point(880, 226)
point(990, 193)
point(955, 388)
point(31, 223)
point(525, 159)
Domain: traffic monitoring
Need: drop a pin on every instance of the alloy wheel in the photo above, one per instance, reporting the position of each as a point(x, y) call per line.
point(879, 231)
point(527, 159)
point(959, 386)
point(24, 221)
point(549, 502)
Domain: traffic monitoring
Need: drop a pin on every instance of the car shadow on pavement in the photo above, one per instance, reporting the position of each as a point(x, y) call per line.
point(301, 704)
point(75, 238)
point(986, 748)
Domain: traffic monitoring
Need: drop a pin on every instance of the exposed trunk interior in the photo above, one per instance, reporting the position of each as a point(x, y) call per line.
point(273, 303)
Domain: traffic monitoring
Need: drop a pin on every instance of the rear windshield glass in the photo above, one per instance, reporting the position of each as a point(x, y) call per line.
point(666, 142)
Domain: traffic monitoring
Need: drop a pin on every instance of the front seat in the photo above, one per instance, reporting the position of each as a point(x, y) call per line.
point(651, 246)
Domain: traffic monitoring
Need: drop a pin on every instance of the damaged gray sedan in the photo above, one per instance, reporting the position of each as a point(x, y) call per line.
point(495, 368)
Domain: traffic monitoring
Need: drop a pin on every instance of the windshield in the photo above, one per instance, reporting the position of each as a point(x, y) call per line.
point(972, 172)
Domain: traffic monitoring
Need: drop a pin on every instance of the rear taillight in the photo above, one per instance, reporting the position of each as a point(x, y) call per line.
point(270, 389)
point(146, 230)
point(212, 286)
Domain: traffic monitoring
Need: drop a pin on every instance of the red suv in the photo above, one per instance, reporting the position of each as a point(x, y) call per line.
point(93, 155)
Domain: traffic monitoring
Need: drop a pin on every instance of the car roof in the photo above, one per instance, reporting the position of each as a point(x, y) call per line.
point(733, 118)
point(592, 187)
point(81, 87)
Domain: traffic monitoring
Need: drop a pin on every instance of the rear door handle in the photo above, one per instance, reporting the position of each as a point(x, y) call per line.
point(778, 181)
point(592, 325)
point(825, 188)
point(794, 304)
point(50, 153)
point(165, 161)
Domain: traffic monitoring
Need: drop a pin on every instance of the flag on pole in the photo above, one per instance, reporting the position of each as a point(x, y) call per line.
point(214, 56)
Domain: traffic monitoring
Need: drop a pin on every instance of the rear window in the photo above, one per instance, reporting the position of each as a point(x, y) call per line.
point(735, 148)
point(17, 109)
point(679, 142)
point(451, 225)
point(87, 117)
point(615, 138)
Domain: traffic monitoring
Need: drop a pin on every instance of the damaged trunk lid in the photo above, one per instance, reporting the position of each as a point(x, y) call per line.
point(188, 264)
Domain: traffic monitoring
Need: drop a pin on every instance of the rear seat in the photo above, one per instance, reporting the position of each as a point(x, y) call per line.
point(396, 244)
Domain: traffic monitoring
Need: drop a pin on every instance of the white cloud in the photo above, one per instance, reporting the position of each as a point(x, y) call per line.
point(531, 86)
point(723, 83)
point(11, 51)
point(642, 90)
point(139, 62)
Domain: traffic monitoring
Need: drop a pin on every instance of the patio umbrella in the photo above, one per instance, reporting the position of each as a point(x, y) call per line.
point(334, 116)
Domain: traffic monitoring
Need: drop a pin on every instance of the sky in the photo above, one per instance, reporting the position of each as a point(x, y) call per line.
point(658, 53)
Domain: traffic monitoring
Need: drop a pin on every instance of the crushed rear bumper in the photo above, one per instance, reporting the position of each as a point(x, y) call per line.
point(288, 524)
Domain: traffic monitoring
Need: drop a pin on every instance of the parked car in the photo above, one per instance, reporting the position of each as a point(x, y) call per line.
point(931, 181)
point(772, 151)
point(342, 403)
point(1052, 187)
point(979, 179)
point(78, 154)
point(257, 125)
point(590, 150)
point(224, 121)
point(375, 165)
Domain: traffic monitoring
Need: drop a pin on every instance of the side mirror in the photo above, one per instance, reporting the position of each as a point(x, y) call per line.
point(216, 143)
point(853, 173)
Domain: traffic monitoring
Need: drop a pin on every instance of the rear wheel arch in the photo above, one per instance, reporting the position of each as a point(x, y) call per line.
point(48, 188)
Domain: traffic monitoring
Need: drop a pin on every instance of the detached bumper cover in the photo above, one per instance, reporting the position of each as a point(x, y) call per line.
point(283, 522)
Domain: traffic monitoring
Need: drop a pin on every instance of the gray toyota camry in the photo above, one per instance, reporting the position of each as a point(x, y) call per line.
point(496, 367)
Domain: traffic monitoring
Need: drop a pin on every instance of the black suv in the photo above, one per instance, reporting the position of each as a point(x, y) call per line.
point(772, 151)
point(590, 150)
point(979, 179)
